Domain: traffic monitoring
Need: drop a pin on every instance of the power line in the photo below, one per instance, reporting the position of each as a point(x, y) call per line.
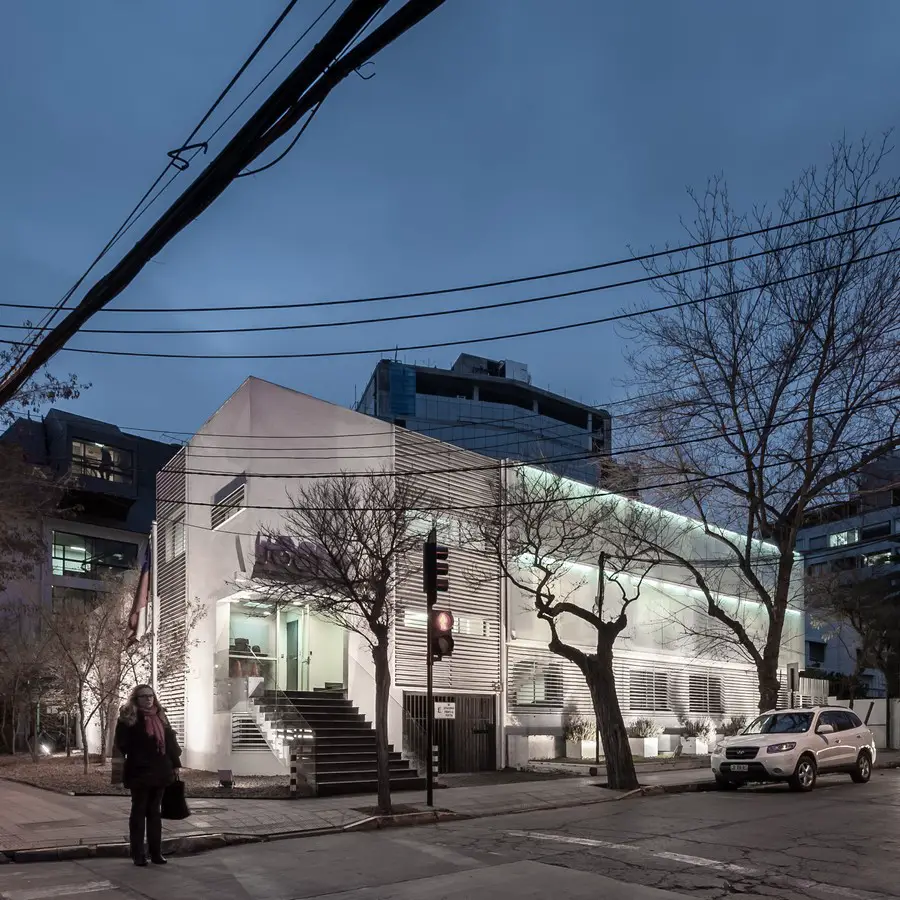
point(482, 307)
point(478, 340)
point(175, 161)
point(582, 456)
point(644, 257)
point(310, 82)
point(592, 494)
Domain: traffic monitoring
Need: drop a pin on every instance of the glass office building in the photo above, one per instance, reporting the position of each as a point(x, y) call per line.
point(491, 407)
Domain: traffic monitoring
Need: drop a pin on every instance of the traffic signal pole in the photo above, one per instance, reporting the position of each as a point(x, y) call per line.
point(430, 600)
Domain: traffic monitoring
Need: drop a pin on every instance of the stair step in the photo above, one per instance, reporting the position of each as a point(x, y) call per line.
point(327, 769)
point(362, 775)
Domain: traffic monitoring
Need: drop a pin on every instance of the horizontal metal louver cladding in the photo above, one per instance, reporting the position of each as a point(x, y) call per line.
point(539, 681)
point(225, 508)
point(245, 734)
point(475, 592)
point(171, 591)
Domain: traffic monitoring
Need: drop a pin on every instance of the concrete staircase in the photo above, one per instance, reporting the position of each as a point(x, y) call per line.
point(344, 741)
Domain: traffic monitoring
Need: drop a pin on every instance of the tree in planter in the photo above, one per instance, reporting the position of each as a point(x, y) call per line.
point(780, 373)
point(350, 538)
point(541, 529)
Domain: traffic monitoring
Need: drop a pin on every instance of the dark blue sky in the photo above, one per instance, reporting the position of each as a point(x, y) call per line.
point(500, 137)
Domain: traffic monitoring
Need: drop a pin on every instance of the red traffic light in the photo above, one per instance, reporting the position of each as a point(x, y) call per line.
point(436, 570)
point(443, 621)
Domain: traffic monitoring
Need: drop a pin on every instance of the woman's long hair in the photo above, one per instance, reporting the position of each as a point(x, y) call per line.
point(129, 712)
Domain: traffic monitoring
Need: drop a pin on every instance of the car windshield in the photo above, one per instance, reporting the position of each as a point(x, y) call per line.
point(780, 723)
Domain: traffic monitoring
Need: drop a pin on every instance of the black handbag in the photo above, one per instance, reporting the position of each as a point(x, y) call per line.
point(174, 805)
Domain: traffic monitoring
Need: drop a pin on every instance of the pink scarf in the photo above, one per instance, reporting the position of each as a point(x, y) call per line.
point(154, 725)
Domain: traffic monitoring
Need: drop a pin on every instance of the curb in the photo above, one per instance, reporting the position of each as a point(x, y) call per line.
point(428, 817)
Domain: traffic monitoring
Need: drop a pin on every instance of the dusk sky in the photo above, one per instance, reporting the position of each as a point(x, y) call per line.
point(498, 138)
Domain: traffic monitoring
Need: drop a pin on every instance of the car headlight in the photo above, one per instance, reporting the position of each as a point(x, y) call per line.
point(781, 748)
point(719, 749)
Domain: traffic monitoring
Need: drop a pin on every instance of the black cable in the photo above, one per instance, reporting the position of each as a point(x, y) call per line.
point(286, 150)
point(644, 257)
point(479, 340)
point(592, 494)
point(125, 225)
point(644, 279)
point(572, 457)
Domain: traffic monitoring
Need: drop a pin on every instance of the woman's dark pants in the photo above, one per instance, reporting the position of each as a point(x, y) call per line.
point(145, 808)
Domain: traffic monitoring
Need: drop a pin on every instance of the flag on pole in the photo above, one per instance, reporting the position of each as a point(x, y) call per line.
point(137, 620)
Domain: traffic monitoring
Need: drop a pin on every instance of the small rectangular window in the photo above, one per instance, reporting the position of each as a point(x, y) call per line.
point(842, 538)
point(82, 556)
point(174, 532)
point(875, 530)
point(819, 542)
point(649, 691)
point(815, 651)
point(227, 508)
point(705, 693)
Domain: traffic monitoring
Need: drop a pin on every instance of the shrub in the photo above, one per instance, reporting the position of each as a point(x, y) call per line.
point(703, 729)
point(579, 728)
point(644, 728)
point(735, 725)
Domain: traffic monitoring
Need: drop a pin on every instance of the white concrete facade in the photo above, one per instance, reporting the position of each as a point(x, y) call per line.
point(253, 448)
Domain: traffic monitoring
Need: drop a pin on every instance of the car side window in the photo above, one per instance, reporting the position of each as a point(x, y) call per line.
point(853, 719)
point(831, 718)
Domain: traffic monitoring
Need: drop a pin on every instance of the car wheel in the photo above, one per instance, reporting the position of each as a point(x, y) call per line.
point(723, 784)
point(863, 770)
point(804, 777)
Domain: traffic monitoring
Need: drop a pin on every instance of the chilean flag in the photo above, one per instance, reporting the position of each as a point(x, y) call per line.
point(137, 620)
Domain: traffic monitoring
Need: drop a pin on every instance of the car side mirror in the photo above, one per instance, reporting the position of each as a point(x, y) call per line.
point(825, 728)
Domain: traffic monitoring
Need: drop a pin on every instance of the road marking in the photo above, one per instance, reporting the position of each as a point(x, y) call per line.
point(787, 880)
point(90, 887)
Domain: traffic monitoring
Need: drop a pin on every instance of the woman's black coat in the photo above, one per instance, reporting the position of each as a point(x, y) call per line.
point(145, 766)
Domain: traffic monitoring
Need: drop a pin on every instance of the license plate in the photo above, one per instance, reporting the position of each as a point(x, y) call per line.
point(739, 767)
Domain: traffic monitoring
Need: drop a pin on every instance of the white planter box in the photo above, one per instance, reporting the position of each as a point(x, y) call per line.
point(581, 749)
point(646, 747)
point(695, 747)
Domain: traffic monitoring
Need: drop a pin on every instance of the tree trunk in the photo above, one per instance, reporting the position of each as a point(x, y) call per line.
point(769, 685)
point(598, 673)
point(82, 730)
point(382, 698)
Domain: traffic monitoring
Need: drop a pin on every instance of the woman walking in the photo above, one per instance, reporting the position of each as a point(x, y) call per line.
point(152, 755)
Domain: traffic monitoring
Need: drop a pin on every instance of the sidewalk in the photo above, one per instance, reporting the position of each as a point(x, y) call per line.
point(34, 823)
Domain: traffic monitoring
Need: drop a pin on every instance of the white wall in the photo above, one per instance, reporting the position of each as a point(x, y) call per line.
point(275, 431)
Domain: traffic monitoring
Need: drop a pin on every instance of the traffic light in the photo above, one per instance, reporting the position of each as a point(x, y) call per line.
point(441, 634)
point(436, 569)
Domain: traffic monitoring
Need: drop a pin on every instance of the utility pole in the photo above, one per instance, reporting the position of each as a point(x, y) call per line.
point(430, 601)
point(325, 66)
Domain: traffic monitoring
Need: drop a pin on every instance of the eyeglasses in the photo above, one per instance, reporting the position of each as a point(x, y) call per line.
point(144, 696)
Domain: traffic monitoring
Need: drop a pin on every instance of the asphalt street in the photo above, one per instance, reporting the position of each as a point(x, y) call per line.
point(841, 841)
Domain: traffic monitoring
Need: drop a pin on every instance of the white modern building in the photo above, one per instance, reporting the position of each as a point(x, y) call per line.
point(229, 487)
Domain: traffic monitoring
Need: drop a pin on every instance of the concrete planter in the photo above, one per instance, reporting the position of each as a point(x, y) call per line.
point(647, 747)
point(581, 749)
point(695, 746)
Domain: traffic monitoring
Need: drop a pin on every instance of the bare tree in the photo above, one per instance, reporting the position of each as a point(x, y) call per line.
point(862, 611)
point(773, 380)
point(349, 538)
point(540, 530)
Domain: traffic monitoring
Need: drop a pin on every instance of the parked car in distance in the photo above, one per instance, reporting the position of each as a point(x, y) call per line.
point(796, 746)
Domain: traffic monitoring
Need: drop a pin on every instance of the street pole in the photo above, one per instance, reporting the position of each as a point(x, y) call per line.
point(154, 607)
point(430, 600)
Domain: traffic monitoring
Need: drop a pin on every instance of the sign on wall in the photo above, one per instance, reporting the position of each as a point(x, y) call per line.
point(444, 710)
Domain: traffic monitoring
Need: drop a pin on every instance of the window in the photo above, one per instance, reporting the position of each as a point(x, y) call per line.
point(469, 626)
point(102, 461)
point(815, 652)
point(842, 538)
point(819, 542)
point(855, 721)
point(649, 691)
point(175, 537)
point(882, 558)
point(875, 530)
point(817, 569)
point(780, 723)
point(75, 598)
point(705, 693)
point(228, 507)
point(81, 556)
point(835, 719)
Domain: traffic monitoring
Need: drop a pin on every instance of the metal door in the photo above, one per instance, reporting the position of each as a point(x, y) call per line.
point(292, 639)
point(466, 743)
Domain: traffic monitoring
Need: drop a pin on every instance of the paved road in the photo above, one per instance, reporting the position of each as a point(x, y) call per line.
point(842, 841)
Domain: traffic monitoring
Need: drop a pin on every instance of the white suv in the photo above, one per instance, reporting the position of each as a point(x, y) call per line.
point(795, 745)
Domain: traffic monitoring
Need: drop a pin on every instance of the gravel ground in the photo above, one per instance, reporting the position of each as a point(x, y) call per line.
point(66, 776)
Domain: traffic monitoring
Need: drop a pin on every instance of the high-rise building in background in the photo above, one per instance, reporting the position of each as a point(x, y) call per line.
point(491, 407)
